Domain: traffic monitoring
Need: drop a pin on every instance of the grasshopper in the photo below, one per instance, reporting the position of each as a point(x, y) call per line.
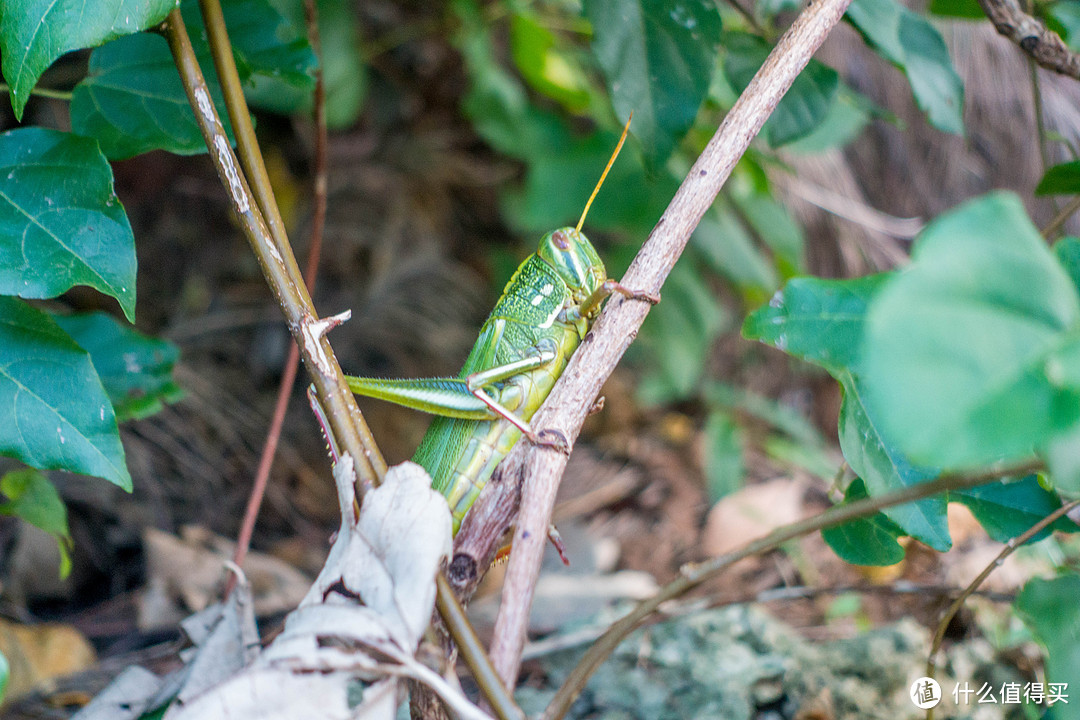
point(544, 313)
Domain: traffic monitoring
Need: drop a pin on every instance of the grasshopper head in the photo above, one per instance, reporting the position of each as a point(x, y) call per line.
point(575, 260)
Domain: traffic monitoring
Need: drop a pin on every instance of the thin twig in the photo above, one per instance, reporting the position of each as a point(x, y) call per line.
point(694, 575)
point(1033, 37)
point(1061, 218)
point(1009, 549)
point(292, 363)
point(676, 609)
point(617, 326)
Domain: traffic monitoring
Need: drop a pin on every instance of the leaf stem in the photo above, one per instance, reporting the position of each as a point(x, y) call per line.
point(42, 92)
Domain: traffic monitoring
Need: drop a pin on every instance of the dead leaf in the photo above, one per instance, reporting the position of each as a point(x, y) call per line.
point(186, 574)
point(355, 632)
point(39, 653)
point(752, 512)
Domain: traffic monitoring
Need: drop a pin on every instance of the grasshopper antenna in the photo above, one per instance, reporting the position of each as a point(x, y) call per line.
point(603, 175)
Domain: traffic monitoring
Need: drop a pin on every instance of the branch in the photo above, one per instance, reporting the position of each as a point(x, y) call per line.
point(1043, 45)
point(280, 270)
point(617, 326)
point(311, 269)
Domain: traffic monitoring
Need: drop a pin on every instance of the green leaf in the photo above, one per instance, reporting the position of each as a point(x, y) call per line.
point(883, 466)
point(34, 33)
point(1066, 14)
point(33, 498)
point(847, 116)
point(344, 74)
point(910, 42)
point(132, 100)
point(967, 353)
point(822, 321)
point(728, 248)
point(771, 222)
point(1063, 179)
point(1007, 509)
point(658, 59)
point(561, 173)
point(724, 470)
point(61, 225)
point(967, 9)
point(1050, 610)
point(807, 103)
point(1067, 251)
point(545, 66)
point(272, 53)
point(680, 331)
point(1063, 461)
point(136, 370)
point(870, 540)
point(54, 413)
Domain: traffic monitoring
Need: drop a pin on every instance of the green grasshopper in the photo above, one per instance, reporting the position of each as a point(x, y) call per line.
point(544, 313)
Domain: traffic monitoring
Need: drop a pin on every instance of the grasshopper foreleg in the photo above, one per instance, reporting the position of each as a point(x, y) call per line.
point(607, 288)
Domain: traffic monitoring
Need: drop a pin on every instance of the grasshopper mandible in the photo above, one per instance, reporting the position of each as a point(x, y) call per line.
point(544, 313)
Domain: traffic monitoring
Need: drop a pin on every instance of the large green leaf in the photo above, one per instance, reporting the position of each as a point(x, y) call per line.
point(658, 59)
point(822, 321)
point(970, 355)
point(910, 42)
point(132, 100)
point(1067, 251)
point(54, 413)
point(60, 222)
point(33, 498)
point(807, 103)
point(136, 370)
point(1050, 610)
point(34, 33)
point(865, 541)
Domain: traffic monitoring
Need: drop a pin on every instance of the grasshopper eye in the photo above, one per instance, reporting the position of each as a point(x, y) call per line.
point(560, 240)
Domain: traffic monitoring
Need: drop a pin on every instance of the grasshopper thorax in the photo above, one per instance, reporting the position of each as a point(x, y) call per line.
point(575, 260)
